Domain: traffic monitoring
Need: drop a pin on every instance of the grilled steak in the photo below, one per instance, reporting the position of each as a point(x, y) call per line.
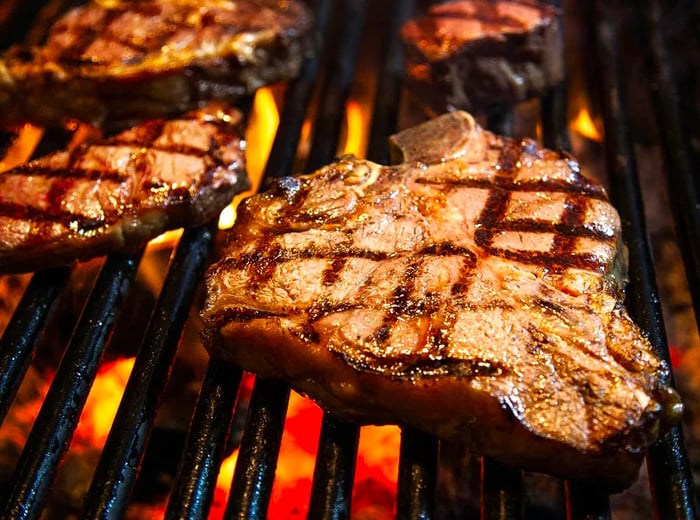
point(118, 193)
point(481, 54)
point(472, 291)
point(115, 63)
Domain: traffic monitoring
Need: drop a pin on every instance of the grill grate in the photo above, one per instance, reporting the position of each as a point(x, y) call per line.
point(326, 79)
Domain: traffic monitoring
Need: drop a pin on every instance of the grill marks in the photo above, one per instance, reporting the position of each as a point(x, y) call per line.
point(62, 180)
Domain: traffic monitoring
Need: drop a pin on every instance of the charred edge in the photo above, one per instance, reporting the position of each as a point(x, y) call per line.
point(491, 216)
point(509, 159)
point(411, 366)
point(563, 231)
point(239, 314)
point(550, 260)
point(263, 263)
point(401, 303)
point(53, 214)
point(550, 186)
point(573, 217)
point(332, 273)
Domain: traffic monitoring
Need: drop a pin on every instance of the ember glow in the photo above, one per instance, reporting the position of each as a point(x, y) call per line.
point(356, 120)
point(374, 488)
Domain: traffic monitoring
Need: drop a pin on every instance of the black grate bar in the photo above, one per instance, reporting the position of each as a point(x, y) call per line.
point(417, 475)
point(586, 502)
point(297, 99)
point(335, 470)
point(24, 329)
point(389, 83)
point(501, 491)
point(123, 452)
point(676, 148)
point(336, 85)
point(206, 443)
point(60, 411)
point(260, 445)
point(671, 478)
point(555, 134)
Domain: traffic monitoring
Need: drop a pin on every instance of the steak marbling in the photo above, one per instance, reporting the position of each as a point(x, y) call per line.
point(472, 291)
point(118, 193)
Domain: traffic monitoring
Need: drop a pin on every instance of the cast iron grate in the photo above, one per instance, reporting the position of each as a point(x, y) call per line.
point(329, 76)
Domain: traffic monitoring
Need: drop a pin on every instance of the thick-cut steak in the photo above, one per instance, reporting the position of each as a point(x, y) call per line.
point(472, 291)
point(118, 62)
point(482, 54)
point(118, 193)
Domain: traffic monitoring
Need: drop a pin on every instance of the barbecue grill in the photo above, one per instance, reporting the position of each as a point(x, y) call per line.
point(321, 93)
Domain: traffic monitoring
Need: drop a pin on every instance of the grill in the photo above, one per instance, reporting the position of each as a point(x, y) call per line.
point(322, 90)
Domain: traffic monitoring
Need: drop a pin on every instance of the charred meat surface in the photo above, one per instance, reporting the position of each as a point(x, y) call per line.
point(118, 193)
point(479, 55)
point(472, 291)
point(119, 62)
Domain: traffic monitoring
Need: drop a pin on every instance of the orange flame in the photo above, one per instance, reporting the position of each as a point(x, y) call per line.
point(584, 125)
point(103, 401)
point(356, 120)
point(260, 133)
point(22, 148)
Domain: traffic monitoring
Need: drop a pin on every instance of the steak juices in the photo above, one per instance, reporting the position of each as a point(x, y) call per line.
point(472, 291)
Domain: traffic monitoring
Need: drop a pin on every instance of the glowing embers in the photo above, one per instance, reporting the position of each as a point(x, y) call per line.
point(584, 125)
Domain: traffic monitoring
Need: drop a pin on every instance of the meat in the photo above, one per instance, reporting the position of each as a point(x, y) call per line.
point(472, 291)
point(479, 55)
point(119, 62)
point(118, 193)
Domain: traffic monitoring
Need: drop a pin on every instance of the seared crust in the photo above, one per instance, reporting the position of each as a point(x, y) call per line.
point(118, 62)
point(118, 193)
point(481, 54)
point(472, 291)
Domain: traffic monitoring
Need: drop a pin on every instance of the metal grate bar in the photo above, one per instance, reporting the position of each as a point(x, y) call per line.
point(260, 446)
point(417, 475)
point(336, 86)
point(335, 469)
point(64, 402)
point(206, 442)
point(676, 148)
point(23, 331)
point(123, 452)
point(586, 502)
point(671, 479)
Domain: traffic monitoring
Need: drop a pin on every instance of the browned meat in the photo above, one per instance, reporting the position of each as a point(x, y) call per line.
point(472, 291)
point(480, 54)
point(115, 63)
point(118, 193)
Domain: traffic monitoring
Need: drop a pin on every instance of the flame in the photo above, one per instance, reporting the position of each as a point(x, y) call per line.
point(22, 147)
point(260, 133)
point(103, 401)
point(356, 120)
point(583, 124)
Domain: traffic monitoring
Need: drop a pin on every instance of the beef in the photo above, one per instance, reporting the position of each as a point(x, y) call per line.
point(481, 55)
point(116, 194)
point(116, 63)
point(472, 291)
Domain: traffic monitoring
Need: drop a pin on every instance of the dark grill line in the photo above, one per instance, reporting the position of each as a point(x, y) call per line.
point(551, 186)
point(572, 219)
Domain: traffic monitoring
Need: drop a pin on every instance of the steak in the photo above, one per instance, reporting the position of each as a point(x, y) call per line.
point(119, 62)
point(473, 291)
point(116, 194)
point(480, 55)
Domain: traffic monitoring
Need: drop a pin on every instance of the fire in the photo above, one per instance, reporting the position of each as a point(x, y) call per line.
point(260, 133)
point(356, 121)
point(583, 124)
point(22, 147)
point(103, 401)
point(375, 474)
